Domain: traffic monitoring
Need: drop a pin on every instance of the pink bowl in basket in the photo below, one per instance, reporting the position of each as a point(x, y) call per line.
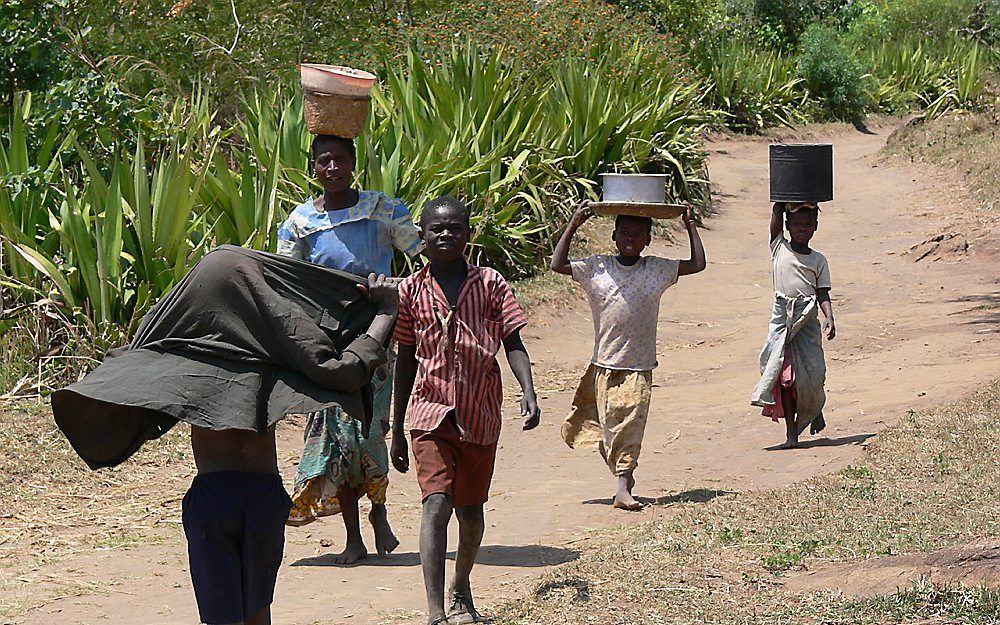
point(336, 79)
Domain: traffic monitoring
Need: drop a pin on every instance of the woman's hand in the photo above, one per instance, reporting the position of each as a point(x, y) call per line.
point(530, 411)
point(382, 292)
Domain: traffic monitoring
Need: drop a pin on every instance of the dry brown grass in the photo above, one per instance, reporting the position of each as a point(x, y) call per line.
point(930, 481)
point(966, 144)
point(54, 506)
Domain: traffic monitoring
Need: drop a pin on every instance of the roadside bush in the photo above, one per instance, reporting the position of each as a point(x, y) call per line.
point(922, 18)
point(753, 88)
point(30, 42)
point(778, 24)
point(937, 76)
point(832, 74)
point(688, 19)
point(792, 19)
point(540, 35)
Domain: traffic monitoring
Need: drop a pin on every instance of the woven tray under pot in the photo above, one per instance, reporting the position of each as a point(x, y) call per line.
point(338, 115)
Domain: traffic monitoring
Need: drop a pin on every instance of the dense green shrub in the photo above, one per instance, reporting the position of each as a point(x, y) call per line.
point(779, 24)
point(791, 19)
point(934, 19)
point(30, 42)
point(687, 19)
point(754, 88)
point(832, 74)
point(228, 46)
point(936, 76)
point(173, 46)
point(538, 35)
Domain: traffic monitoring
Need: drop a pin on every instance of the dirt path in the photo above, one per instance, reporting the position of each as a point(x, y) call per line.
point(910, 335)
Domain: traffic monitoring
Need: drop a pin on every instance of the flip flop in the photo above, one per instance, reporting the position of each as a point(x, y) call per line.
point(462, 606)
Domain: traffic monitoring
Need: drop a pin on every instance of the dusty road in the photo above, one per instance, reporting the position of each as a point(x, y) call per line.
point(910, 335)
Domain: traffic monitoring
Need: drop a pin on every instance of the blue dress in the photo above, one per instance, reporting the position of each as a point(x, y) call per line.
point(359, 239)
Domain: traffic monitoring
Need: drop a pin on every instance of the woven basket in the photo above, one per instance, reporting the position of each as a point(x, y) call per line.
point(338, 115)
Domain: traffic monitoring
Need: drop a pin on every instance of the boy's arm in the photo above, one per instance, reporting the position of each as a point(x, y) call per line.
point(520, 364)
point(829, 326)
point(351, 368)
point(402, 386)
point(697, 262)
point(560, 256)
point(777, 220)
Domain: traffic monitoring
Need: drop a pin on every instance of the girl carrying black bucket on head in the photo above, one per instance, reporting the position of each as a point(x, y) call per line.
point(793, 367)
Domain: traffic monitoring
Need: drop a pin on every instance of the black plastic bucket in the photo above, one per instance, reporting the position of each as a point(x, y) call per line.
point(801, 172)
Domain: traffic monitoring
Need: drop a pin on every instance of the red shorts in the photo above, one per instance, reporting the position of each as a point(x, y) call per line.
point(446, 464)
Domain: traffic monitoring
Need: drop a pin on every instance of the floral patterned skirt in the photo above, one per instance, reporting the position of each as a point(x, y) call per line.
point(336, 454)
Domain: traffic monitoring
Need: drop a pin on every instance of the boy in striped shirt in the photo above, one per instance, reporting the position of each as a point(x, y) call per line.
point(453, 319)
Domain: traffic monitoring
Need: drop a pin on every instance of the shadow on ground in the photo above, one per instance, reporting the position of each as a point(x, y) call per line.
point(856, 439)
point(985, 309)
point(530, 556)
point(580, 588)
point(696, 495)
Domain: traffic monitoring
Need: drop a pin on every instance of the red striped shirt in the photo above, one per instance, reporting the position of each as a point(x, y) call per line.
point(458, 370)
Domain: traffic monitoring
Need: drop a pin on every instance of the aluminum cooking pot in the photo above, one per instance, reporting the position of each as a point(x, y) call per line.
point(639, 188)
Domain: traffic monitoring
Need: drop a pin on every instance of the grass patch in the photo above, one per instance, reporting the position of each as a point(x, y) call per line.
point(965, 142)
point(928, 482)
point(54, 505)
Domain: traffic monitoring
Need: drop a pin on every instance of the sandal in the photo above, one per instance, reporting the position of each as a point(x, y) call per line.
point(462, 606)
point(441, 621)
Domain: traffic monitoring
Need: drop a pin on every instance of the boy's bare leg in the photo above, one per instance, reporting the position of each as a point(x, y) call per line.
point(262, 617)
point(433, 549)
point(623, 498)
point(385, 539)
point(471, 526)
point(355, 549)
point(791, 427)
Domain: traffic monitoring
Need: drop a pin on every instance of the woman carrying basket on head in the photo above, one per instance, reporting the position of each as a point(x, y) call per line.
point(356, 231)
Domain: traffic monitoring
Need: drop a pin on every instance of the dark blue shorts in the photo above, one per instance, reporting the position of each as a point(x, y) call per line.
point(235, 528)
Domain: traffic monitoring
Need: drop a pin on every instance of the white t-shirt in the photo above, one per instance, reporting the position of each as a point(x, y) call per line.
point(797, 274)
point(625, 303)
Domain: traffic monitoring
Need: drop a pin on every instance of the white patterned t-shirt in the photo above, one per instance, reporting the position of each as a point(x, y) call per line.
point(625, 303)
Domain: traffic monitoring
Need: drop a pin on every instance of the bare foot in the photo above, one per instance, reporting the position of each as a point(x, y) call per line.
point(352, 553)
point(625, 501)
point(385, 539)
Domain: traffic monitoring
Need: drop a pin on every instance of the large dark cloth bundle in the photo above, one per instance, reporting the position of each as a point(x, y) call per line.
point(244, 339)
